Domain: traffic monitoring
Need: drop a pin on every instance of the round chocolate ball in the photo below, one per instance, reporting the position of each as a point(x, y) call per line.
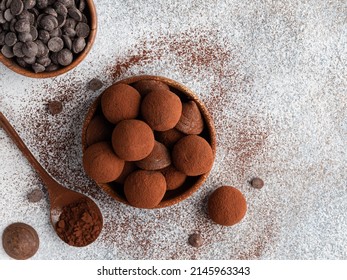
point(101, 163)
point(120, 102)
point(98, 130)
point(192, 155)
point(174, 178)
point(132, 140)
point(227, 206)
point(159, 158)
point(148, 85)
point(145, 189)
point(20, 241)
point(161, 109)
point(169, 137)
point(191, 121)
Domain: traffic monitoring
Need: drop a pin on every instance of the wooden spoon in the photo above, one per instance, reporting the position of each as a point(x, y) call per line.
point(59, 195)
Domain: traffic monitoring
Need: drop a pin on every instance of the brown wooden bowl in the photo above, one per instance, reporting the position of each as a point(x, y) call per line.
point(92, 17)
point(191, 184)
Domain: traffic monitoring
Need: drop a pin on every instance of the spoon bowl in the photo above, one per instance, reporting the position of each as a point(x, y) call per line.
point(61, 198)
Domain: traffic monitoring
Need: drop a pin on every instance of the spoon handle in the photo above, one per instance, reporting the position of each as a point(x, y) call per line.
point(45, 177)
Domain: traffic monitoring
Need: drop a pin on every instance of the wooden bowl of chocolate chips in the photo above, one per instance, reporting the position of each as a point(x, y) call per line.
point(148, 142)
point(46, 38)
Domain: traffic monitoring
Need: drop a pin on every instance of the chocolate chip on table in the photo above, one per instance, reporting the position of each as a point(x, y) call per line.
point(78, 45)
point(10, 39)
point(65, 57)
point(35, 195)
point(7, 51)
point(55, 44)
point(55, 107)
point(20, 241)
point(16, 7)
point(195, 240)
point(82, 30)
point(95, 84)
point(257, 183)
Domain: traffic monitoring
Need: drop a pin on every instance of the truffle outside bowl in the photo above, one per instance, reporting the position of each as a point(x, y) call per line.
point(192, 184)
point(92, 18)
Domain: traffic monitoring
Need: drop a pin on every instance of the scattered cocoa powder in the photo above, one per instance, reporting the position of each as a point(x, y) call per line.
point(78, 224)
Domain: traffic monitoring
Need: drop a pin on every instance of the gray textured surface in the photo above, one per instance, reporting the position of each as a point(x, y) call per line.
point(273, 75)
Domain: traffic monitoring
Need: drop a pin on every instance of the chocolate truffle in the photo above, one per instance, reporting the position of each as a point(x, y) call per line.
point(132, 140)
point(161, 109)
point(192, 155)
point(159, 158)
point(101, 163)
point(20, 241)
point(129, 167)
point(146, 86)
point(168, 137)
point(191, 121)
point(99, 129)
point(145, 189)
point(174, 178)
point(120, 102)
point(227, 206)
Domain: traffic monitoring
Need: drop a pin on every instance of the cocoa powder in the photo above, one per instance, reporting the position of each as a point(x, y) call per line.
point(78, 224)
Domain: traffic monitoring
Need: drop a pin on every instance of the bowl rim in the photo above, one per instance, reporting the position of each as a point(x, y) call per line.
point(11, 64)
point(207, 118)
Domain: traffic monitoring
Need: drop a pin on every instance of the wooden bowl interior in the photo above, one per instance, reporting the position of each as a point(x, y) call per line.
point(90, 13)
point(191, 184)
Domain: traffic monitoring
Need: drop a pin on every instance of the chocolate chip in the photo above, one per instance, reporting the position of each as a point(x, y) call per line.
point(82, 30)
point(2, 18)
point(49, 22)
point(44, 61)
point(67, 3)
point(195, 240)
point(29, 60)
point(78, 45)
point(51, 11)
point(29, 4)
point(61, 20)
point(70, 23)
point(20, 241)
point(52, 67)
point(42, 49)
point(22, 25)
point(65, 57)
point(44, 36)
point(21, 62)
point(41, 4)
point(16, 7)
point(10, 39)
point(56, 33)
point(17, 49)
point(55, 44)
point(7, 51)
point(95, 84)
point(2, 37)
point(38, 68)
point(75, 13)
point(67, 42)
point(82, 5)
point(12, 24)
point(34, 33)
point(35, 195)
point(55, 107)
point(25, 37)
point(257, 183)
point(69, 32)
point(8, 15)
point(60, 9)
point(30, 49)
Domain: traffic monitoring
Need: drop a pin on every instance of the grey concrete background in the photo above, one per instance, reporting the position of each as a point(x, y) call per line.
point(273, 75)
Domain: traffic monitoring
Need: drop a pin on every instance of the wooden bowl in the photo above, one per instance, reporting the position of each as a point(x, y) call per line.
point(191, 184)
point(90, 12)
